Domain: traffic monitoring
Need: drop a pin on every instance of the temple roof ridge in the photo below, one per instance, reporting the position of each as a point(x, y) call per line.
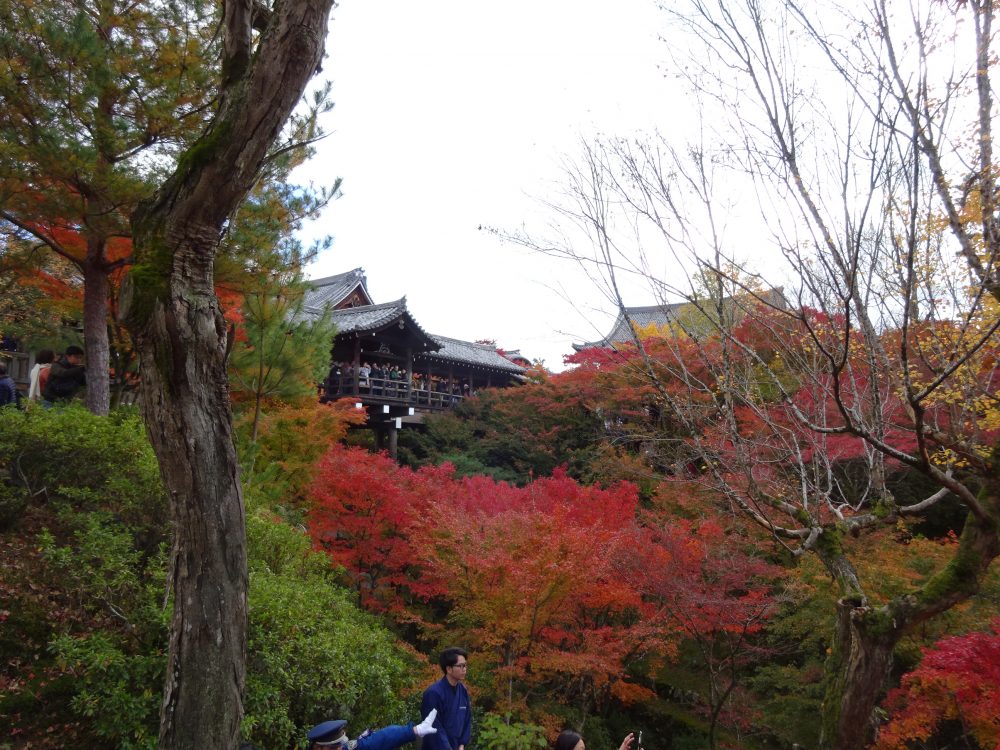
point(470, 352)
point(667, 313)
point(330, 291)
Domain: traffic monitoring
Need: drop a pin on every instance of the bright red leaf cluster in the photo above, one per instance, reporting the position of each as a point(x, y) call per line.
point(958, 680)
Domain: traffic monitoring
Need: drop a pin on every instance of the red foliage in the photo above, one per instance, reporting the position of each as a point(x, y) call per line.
point(554, 584)
point(50, 285)
point(532, 572)
point(958, 680)
point(363, 508)
point(700, 582)
point(231, 301)
point(79, 244)
point(803, 392)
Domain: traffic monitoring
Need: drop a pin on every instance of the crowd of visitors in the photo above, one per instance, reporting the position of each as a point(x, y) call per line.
point(61, 378)
point(390, 381)
point(52, 379)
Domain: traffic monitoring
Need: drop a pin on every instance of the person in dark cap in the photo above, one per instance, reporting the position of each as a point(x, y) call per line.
point(334, 734)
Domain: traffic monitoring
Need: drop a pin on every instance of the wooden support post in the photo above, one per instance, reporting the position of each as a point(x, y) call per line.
point(357, 362)
point(409, 372)
point(393, 439)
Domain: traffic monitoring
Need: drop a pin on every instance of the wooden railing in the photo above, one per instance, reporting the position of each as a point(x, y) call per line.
point(18, 367)
point(390, 390)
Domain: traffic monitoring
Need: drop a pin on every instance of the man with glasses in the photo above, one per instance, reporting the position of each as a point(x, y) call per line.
point(449, 696)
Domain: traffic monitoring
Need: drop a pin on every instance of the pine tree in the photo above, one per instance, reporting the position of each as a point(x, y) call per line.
point(97, 97)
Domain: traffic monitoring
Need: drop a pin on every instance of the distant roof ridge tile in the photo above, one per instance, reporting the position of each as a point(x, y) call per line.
point(620, 331)
point(490, 347)
point(484, 355)
point(401, 302)
point(327, 280)
point(656, 308)
point(381, 313)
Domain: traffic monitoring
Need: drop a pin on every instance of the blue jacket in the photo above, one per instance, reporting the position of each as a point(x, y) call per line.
point(454, 718)
point(387, 738)
point(8, 393)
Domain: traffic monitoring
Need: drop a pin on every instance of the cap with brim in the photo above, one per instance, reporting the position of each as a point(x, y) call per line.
point(328, 733)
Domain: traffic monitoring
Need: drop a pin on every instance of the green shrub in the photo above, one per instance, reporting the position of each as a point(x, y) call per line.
point(68, 456)
point(313, 654)
point(118, 668)
point(118, 691)
point(499, 733)
point(95, 484)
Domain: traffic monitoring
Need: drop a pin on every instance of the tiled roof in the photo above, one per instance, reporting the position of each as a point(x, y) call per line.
point(330, 291)
point(367, 317)
point(371, 317)
point(691, 317)
point(466, 352)
point(641, 317)
point(514, 355)
point(326, 293)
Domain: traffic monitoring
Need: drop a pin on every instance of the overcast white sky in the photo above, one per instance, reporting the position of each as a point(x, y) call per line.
point(451, 114)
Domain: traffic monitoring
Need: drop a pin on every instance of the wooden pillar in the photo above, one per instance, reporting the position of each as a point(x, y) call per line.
point(409, 372)
point(393, 439)
point(357, 361)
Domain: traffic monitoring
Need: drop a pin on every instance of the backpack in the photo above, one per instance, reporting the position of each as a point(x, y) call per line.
point(61, 385)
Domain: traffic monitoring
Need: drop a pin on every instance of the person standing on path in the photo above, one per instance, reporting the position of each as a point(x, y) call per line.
point(449, 696)
point(67, 377)
point(8, 391)
point(40, 374)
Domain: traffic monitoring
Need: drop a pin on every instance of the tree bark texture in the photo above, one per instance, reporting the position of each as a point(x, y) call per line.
point(170, 307)
point(858, 665)
point(95, 336)
point(186, 405)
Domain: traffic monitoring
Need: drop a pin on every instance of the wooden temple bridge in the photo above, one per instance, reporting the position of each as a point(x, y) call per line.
point(419, 372)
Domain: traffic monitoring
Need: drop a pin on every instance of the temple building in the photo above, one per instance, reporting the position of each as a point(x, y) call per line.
point(384, 359)
point(695, 319)
point(661, 316)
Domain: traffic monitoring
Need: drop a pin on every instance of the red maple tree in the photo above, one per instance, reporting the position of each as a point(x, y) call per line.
point(958, 680)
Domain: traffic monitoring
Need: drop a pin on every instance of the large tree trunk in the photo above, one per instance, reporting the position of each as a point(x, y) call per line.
point(95, 336)
point(169, 305)
point(185, 401)
point(857, 668)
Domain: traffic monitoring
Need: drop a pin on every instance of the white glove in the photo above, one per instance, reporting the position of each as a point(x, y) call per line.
point(427, 725)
